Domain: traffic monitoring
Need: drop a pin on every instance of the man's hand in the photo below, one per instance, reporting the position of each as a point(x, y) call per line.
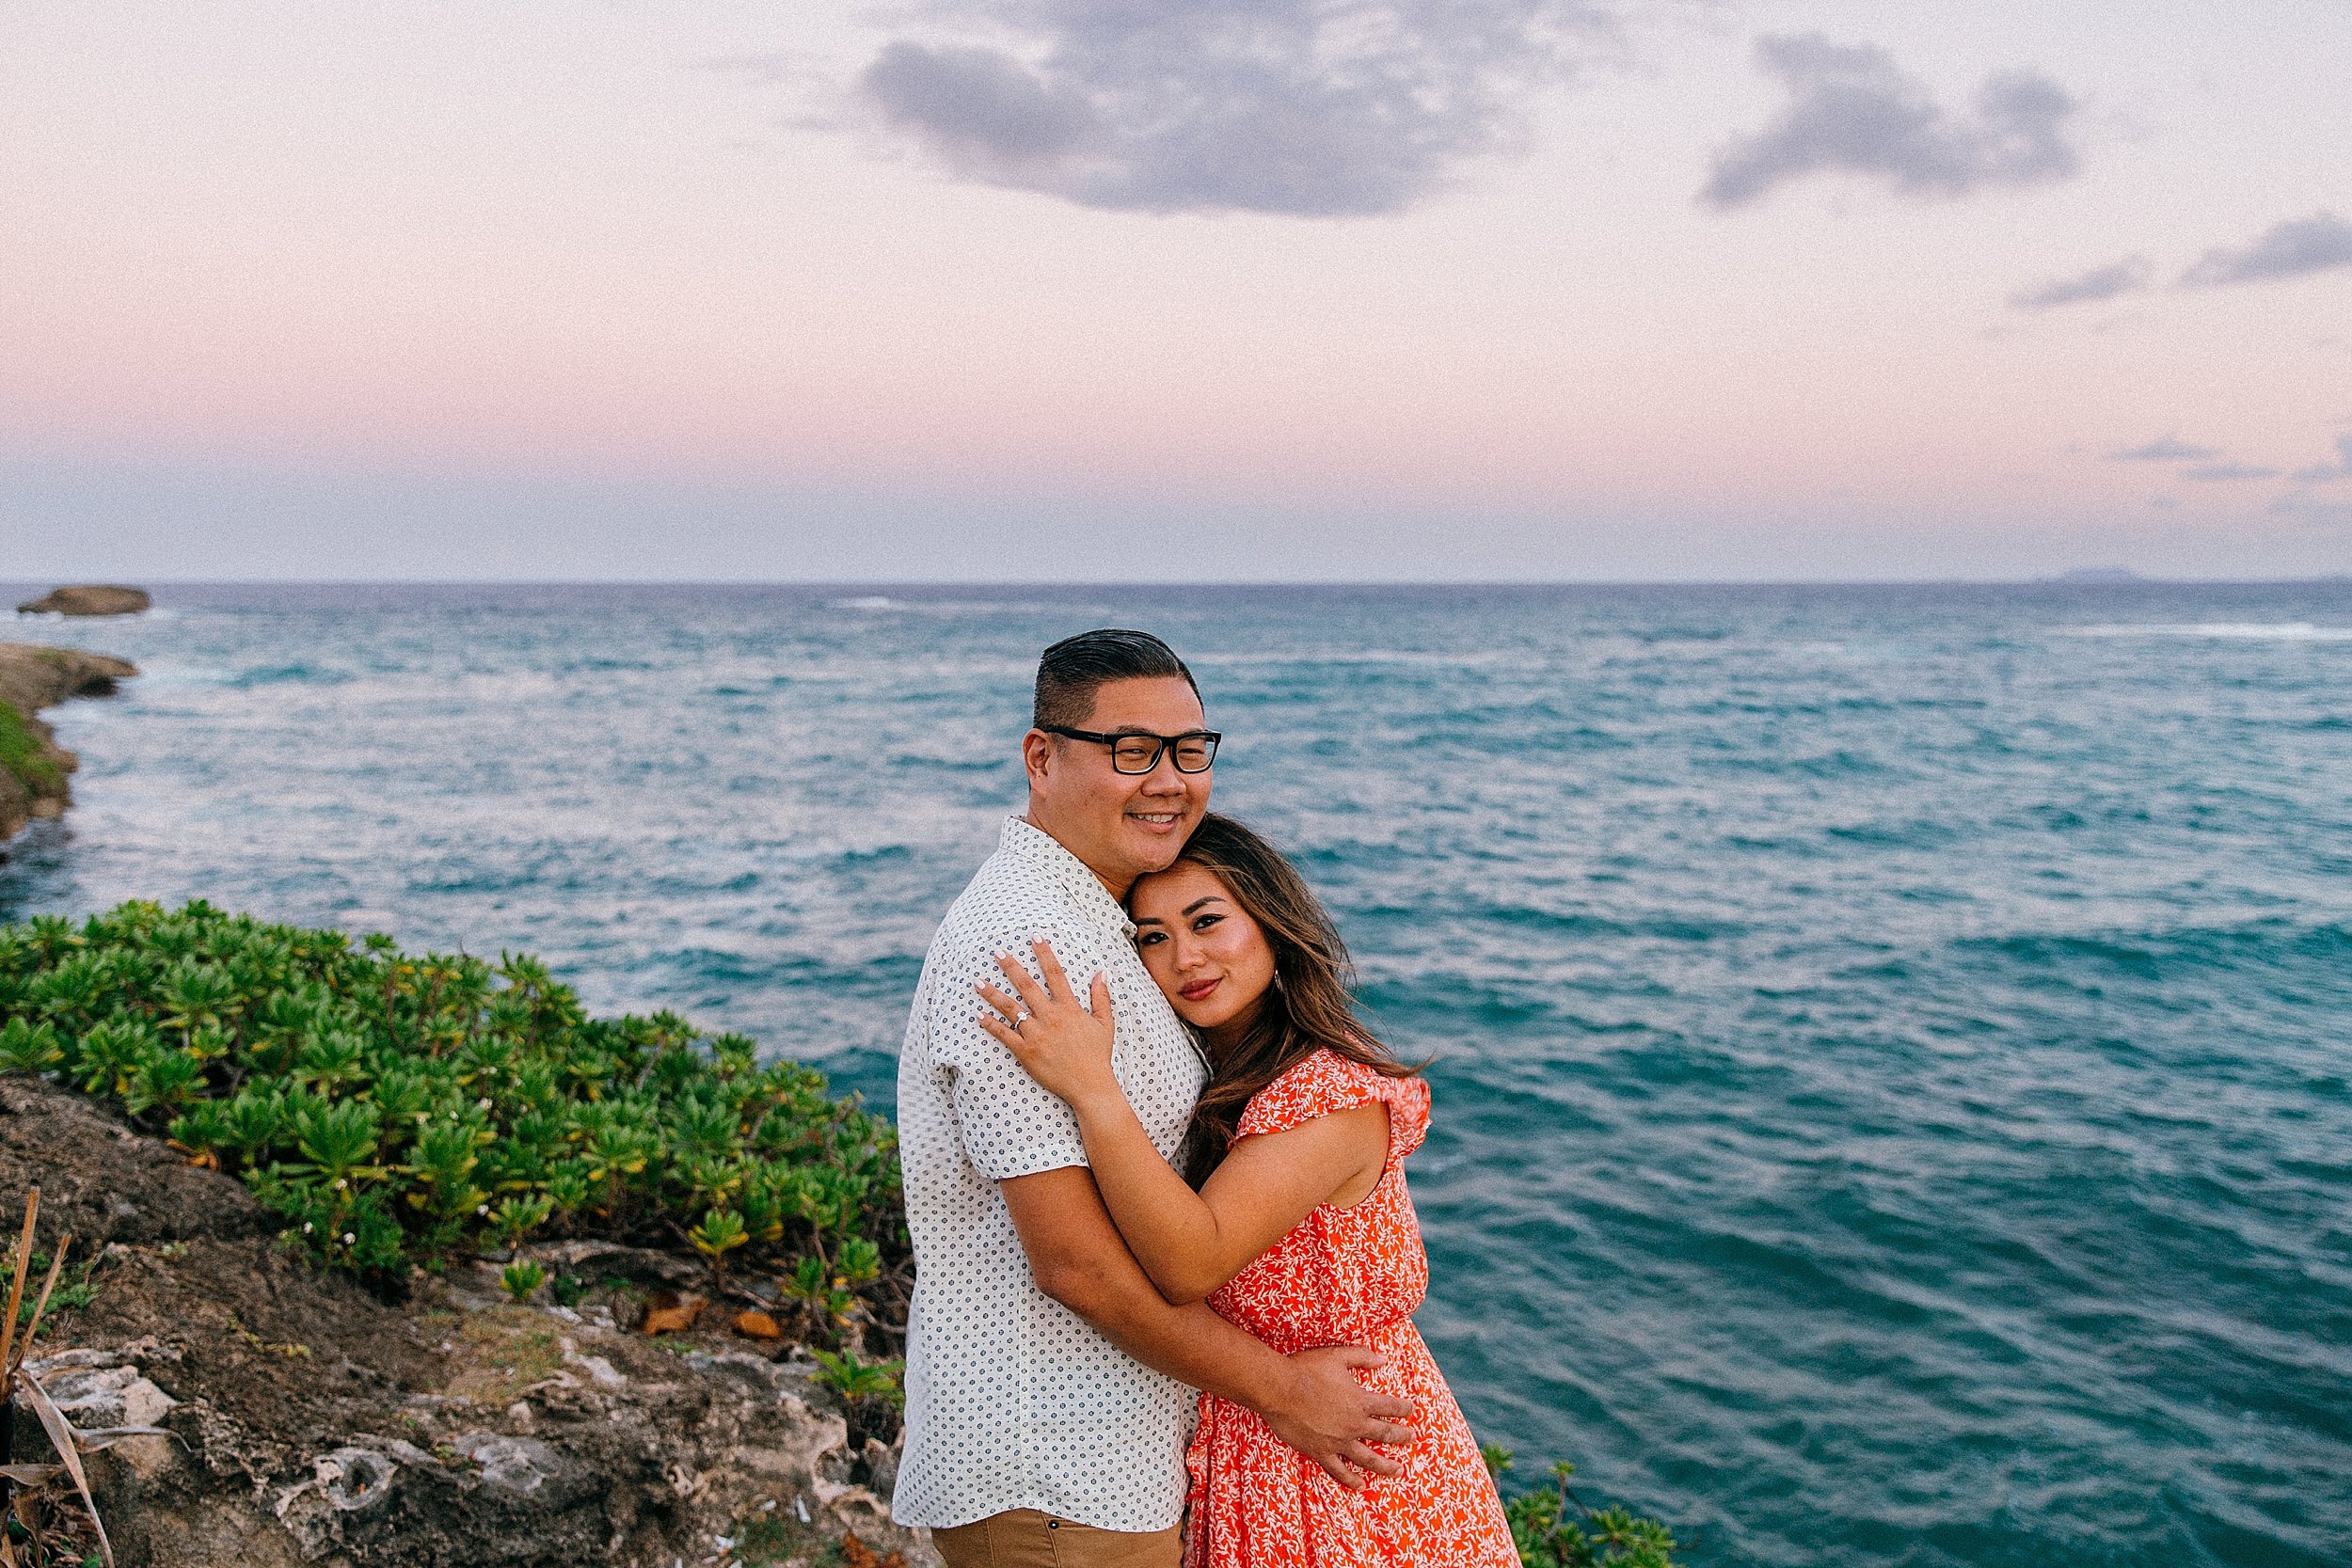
point(1332, 1419)
point(1311, 1400)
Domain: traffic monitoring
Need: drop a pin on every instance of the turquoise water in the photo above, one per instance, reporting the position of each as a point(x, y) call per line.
point(1895, 1095)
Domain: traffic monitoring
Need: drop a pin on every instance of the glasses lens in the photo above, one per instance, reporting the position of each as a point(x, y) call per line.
point(1194, 753)
point(1134, 754)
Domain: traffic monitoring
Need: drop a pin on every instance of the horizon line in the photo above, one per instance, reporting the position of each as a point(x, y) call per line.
point(2074, 577)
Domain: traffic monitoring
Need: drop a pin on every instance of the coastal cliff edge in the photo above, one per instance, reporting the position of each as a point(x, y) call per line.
point(33, 766)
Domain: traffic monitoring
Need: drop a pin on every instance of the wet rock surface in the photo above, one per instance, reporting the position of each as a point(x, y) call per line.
point(311, 1421)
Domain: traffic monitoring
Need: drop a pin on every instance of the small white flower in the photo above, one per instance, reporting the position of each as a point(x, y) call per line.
point(481, 1208)
point(349, 1237)
point(484, 1102)
point(307, 1228)
point(340, 1183)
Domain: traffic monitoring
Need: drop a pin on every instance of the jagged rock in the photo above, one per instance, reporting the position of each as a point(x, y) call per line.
point(101, 1391)
point(353, 1481)
point(653, 1268)
point(312, 1422)
point(519, 1465)
point(88, 598)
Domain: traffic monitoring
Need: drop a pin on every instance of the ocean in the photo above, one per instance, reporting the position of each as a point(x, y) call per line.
point(1894, 1045)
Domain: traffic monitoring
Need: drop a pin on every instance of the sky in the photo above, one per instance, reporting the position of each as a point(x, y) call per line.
point(1174, 290)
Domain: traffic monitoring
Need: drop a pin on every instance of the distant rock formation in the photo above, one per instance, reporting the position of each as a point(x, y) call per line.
point(33, 766)
point(88, 598)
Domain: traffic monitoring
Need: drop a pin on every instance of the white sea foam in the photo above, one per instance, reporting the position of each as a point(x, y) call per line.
point(962, 608)
point(2250, 631)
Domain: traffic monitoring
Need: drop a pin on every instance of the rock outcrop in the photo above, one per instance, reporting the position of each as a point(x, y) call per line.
point(88, 598)
point(310, 1422)
point(33, 766)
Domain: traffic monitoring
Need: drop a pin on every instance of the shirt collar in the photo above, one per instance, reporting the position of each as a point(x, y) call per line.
point(1034, 845)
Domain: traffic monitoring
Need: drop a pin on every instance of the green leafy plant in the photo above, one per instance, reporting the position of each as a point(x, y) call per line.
point(853, 1378)
point(720, 1233)
point(522, 1278)
point(516, 1217)
point(859, 1263)
point(824, 1304)
point(1553, 1529)
point(26, 1047)
point(401, 1109)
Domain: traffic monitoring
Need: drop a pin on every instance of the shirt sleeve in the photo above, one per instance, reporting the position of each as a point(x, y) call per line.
point(1010, 1124)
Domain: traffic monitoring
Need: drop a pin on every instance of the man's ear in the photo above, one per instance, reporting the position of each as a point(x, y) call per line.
point(1036, 753)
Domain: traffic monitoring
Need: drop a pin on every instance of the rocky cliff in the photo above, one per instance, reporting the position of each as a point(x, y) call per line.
point(310, 1422)
point(33, 766)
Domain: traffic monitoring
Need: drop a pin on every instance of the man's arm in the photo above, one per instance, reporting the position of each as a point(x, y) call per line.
point(1311, 1400)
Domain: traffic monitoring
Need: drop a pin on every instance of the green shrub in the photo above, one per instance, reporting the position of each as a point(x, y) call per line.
point(20, 752)
point(401, 1110)
point(522, 1278)
point(853, 1378)
point(1553, 1529)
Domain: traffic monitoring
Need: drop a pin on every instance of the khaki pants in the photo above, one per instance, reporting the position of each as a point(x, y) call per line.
point(1024, 1538)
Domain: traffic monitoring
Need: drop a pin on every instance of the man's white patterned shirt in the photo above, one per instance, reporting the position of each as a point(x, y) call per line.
point(1012, 1400)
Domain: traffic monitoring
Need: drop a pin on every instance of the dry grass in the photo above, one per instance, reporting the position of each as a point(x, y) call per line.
point(504, 1352)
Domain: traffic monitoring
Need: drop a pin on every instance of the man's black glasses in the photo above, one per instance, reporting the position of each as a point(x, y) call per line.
point(1136, 752)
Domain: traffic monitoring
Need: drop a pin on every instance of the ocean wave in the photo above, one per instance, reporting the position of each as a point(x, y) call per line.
point(2245, 631)
point(959, 608)
point(290, 675)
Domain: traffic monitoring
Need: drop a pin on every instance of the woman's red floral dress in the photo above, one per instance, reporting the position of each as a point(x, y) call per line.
point(1342, 1276)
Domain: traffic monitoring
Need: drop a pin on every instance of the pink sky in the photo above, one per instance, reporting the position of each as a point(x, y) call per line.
point(290, 285)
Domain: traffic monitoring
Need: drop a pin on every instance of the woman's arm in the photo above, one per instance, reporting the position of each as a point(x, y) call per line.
point(1189, 1243)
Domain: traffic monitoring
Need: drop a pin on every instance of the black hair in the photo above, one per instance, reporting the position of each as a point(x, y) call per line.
point(1073, 670)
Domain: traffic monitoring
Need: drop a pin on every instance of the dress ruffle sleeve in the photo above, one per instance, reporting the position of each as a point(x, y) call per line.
point(1327, 1082)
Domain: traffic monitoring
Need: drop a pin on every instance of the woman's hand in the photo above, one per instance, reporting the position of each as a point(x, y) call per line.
point(1064, 1045)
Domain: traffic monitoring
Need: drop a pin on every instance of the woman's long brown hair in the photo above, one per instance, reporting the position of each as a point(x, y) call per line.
point(1307, 1008)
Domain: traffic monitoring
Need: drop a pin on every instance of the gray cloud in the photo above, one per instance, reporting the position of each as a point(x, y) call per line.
point(1852, 110)
point(2165, 448)
point(2126, 277)
point(2289, 249)
point(2222, 472)
point(2323, 472)
point(1306, 107)
point(990, 115)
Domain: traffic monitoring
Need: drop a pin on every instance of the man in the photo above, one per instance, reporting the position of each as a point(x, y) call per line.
point(1048, 1384)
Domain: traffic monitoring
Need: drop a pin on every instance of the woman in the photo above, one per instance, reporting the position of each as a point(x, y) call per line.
point(1299, 1229)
